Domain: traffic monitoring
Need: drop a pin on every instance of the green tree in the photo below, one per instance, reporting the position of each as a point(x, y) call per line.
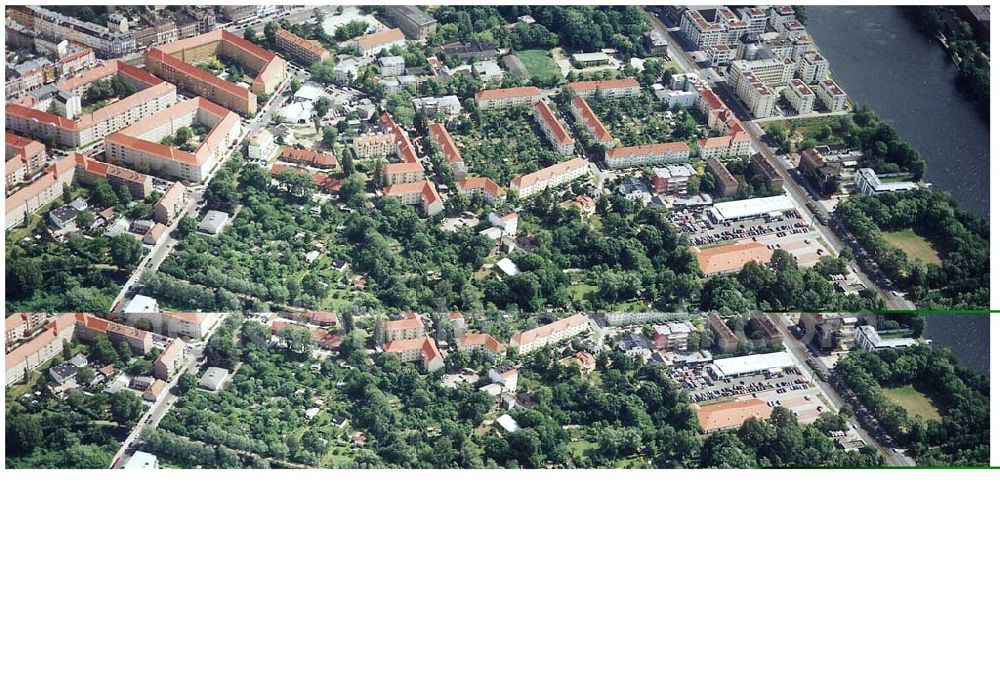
point(24, 434)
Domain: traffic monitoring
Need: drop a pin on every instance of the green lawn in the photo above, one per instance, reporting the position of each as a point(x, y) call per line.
point(915, 402)
point(913, 245)
point(539, 63)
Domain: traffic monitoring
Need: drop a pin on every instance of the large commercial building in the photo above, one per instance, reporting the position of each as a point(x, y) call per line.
point(586, 116)
point(730, 258)
point(414, 22)
point(729, 415)
point(553, 128)
point(752, 364)
point(307, 51)
point(30, 115)
point(555, 175)
point(138, 146)
point(505, 98)
point(555, 332)
point(175, 62)
point(606, 89)
point(647, 155)
point(751, 207)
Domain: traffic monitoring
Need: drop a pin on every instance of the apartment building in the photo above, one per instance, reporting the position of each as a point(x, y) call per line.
point(404, 172)
point(422, 193)
point(48, 187)
point(833, 97)
point(410, 326)
point(448, 105)
point(170, 204)
point(773, 72)
point(533, 339)
point(138, 146)
point(700, 31)
point(481, 342)
point(725, 339)
point(758, 97)
point(798, 94)
point(606, 89)
point(422, 350)
point(305, 50)
point(672, 179)
point(105, 42)
point(175, 62)
point(23, 158)
point(506, 98)
point(780, 15)
point(17, 326)
point(30, 116)
point(812, 67)
point(725, 183)
point(373, 146)
point(868, 183)
point(167, 362)
point(90, 327)
point(762, 167)
point(555, 175)
point(722, 55)
point(868, 339)
point(487, 187)
point(372, 44)
point(23, 359)
point(442, 140)
point(647, 155)
point(554, 130)
point(414, 22)
point(755, 18)
point(586, 116)
point(391, 66)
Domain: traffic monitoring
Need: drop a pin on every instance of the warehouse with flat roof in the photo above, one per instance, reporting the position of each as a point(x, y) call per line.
point(752, 364)
point(751, 207)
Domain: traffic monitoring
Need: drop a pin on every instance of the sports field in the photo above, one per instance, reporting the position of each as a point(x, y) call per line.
point(539, 63)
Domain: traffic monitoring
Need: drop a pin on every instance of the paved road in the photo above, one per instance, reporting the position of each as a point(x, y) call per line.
point(802, 354)
point(800, 195)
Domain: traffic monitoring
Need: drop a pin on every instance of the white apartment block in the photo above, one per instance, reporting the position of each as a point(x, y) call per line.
point(772, 72)
point(647, 155)
point(780, 14)
point(556, 332)
point(755, 18)
point(700, 31)
point(555, 175)
point(758, 97)
point(798, 94)
point(813, 67)
point(372, 146)
point(833, 97)
point(262, 145)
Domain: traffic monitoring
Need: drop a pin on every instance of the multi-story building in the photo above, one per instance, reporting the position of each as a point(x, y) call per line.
point(527, 341)
point(17, 326)
point(799, 96)
point(175, 61)
point(24, 157)
point(792, 30)
point(813, 67)
point(75, 61)
point(414, 22)
point(700, 31)
point(43, 347)
point(48, 187)
point(307, 51)
point(442, 140)
point(725, 339)
point(606, 89)
point(487, 187)
point(762, 167)
point(647, 155)
point(722, 55)
point(170, 204)
point(555, 175)
point(672, 179)
point(372, 44)
point(553, 128)
point(262, 146)
point(376, 145)
point(391, 66)
point(238, 13)
point(138, 146)
point(725, 183)
point(30, 116)
point(410, 326)
point(672, 335)
point(448, 105)
point(505, 98)
point(758, 97)
point(586, 116)
point(780, 15)
point(404, 172)
point(105, 42)
point(89, 328)
point(868, 183)
point(422, 193)
point(481, 342)
point(868, 339)
point(422, 350)
point(773, 72)
point(755, 18)
point(167, 362)
point(833, 97)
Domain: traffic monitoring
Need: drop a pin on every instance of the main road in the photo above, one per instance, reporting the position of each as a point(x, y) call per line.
point(801, 197)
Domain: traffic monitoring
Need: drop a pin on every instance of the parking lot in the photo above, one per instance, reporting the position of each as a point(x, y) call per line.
point(788, 232)
point(787, 388)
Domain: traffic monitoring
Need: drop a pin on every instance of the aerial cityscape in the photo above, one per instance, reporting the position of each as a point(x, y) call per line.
point(284, 236)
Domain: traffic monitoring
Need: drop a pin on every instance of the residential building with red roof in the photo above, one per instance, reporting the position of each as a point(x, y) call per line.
point(403, 329)
point(166, 364)
point(487, 187)
point(422, 193)
point(549, 334)
point(481, 342)
point(553, 128)
point(372, 44)
point(40, 349)
point(586, 116)
point(312, 158)
point(505, 98)
point(647, 155)
point(170, 204)
point(555, 175)
point(404, 172)
point(421, 350)
point(24, 157)
point(442, 139)
point(307, 51)
point(606, 89)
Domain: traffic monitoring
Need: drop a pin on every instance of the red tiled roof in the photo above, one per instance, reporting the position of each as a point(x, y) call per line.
point(382, 37)
point(482, 182)
point(590, 119)
point(553, 124)
point(444, 141)
point(599, 85)
point(509, 93)
point(653, 149)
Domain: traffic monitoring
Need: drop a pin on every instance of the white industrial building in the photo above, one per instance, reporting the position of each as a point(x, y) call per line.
point(752, 364)
point(751, 207)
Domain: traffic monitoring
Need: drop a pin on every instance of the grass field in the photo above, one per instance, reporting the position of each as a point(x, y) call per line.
point(913, 245)
point(915, 402)
point(539, 63)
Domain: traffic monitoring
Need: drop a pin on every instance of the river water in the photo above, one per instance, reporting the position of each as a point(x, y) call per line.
point(879, 57)
point(966, 335)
